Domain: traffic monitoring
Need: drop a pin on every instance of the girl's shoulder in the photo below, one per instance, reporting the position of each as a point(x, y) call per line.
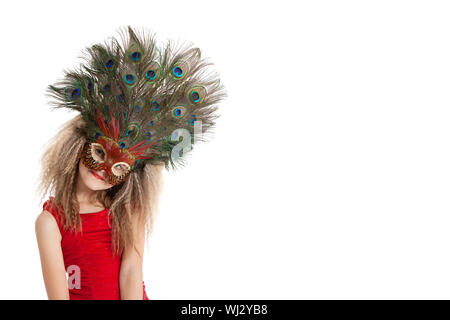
point(49, 208)
point(46, 225)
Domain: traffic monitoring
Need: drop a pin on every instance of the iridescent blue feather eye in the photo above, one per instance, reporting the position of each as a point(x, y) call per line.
point(75, 93)
point(195, 96)
point(177, 72)
point(122, 145)
point(109, 64)
point(137, 108)
point(155, 105)
point(107, 87)
point(150, 123)
point(193, 119)
point(148, 134)
point(152, 71)
point(135, 56)
point(150, 75)
point(178, 112)
point(129, 78)
point(179, 69)
point(132, 130)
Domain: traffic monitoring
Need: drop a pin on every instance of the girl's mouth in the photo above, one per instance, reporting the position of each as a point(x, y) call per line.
point(96, 175)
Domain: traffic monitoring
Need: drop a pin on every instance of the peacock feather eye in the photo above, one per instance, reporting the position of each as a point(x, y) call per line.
point(178, 112)
point(152, 72)
point(192, 120)
point(179, 70)
point(134, 52)
point(137, 107)
point(122, 145)
point(129, 79)
point(150, 75)
point(135, 56)
point(109, 64)
point(107, 87)
point(148, 134)
point(75, 94)
point(132, 130)
point(197, 94)
point(150, 123)
point(155, 105)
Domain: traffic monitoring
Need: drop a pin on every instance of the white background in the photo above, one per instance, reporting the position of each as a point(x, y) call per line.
point(328, 176)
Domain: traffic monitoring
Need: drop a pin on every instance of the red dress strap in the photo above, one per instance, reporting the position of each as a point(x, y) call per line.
point(50, 206)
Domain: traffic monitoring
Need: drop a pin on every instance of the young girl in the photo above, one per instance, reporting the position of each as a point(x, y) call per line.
point(104, 167)
point(87, 195)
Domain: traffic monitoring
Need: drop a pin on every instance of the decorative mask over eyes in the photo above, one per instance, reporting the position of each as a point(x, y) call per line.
point(106, 154)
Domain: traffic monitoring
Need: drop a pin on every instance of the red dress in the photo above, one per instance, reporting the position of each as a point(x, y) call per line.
point(89, 254)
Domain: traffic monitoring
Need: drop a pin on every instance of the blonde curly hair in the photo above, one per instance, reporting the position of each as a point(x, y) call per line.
point(137, 195)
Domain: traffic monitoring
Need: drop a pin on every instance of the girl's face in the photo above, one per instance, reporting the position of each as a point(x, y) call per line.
point(93, 179)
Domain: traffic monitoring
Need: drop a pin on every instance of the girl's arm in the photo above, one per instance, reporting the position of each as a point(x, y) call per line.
point(52, 261)
point(130, 278)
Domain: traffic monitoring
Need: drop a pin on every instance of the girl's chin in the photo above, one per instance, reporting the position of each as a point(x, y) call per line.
point(97, 185)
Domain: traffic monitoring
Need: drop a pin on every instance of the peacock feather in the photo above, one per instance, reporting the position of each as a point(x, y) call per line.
point(136, 93)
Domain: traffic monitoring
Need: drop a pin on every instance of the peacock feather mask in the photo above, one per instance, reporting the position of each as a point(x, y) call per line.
point(133, 96)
